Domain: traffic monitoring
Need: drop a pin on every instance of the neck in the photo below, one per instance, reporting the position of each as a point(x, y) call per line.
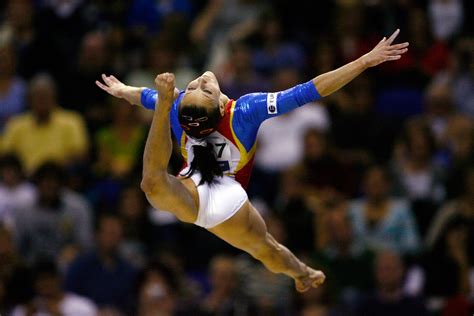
point(377, 201)
point(390, 295)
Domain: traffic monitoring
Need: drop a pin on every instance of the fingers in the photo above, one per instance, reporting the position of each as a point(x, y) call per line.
point(106, 79)
point(102, 86)
point(399, 46)
point(393, 36)
point(396, 57)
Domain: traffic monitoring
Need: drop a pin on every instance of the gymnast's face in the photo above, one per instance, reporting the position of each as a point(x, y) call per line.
point(203, 91)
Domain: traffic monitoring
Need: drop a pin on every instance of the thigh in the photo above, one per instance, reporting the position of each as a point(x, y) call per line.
point(178, 196)
point(245, 230)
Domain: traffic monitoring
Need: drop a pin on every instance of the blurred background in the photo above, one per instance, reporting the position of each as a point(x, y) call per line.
point(374, 185)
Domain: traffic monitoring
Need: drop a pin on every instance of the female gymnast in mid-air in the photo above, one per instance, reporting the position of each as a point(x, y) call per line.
point(217, 138)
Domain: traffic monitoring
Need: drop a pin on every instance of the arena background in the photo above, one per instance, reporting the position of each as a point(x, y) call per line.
point(374, 184)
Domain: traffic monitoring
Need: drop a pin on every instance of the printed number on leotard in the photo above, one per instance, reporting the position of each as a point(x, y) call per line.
point(220, 147)
point(224, 165)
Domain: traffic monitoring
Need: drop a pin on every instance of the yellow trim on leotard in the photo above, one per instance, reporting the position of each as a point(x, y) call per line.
point(245, 156)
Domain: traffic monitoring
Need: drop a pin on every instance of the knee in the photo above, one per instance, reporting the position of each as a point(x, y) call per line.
point(153, 184)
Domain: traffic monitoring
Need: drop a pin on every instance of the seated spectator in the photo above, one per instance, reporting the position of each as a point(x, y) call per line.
point(119, 145)
point(458, 143)
point(415, 174)
point(359, 131)
point(15, 192)
point(138, 230)
point(224, 297)
point(345, 260)
point(50, 298)
point(58, 222)
point(12, 87)
point(322, 168)
point(274, 52)
point(388, 298)
point(46, 132)
point(281, 138)
point(459, 76)
point(381, 221)
point(448, 263)
point(15, 276)
point(462, 206)
point(103, 275)
point(274, 295)
point(238, 75)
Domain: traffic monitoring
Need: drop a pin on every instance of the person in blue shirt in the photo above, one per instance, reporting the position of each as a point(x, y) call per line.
point(218, 141)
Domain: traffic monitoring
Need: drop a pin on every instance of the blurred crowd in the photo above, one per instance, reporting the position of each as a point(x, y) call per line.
point(374, 184)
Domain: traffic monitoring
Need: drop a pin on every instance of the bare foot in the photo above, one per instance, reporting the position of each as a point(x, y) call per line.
point(314, 278)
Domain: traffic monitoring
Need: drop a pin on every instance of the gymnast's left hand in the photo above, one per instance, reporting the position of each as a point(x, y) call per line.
point(165, 86)
point(385, 51)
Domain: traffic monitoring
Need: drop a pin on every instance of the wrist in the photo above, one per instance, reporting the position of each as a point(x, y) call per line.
point(363, 61)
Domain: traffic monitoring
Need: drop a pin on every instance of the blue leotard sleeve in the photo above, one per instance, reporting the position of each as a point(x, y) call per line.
point(252, 109)
point(148, 99)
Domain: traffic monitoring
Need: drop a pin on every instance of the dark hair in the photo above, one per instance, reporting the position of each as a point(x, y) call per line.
point(11, 161)
point(49, 170)
point(205, 162)
point(199, 122)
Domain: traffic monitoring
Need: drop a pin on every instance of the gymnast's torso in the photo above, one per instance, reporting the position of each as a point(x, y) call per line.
point(235, 138)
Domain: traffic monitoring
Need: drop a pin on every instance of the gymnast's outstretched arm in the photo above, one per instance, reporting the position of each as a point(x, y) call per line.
point(332, 81)
point(118, 89)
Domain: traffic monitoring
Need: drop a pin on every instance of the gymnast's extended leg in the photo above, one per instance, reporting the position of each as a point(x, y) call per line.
point(247, 230)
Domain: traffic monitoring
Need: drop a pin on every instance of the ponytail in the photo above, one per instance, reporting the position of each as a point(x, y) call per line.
point(205, 162)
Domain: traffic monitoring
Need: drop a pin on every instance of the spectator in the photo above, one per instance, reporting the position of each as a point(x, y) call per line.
point(322, 167)
point(273, 52)
point(446, 18)
point(462, 206)
point(222, 22)
point(238, 75)
point(57, 223)
point(158, 293)
point(15, 192)
point(119, 145)
point(345, 260)
point(50, 298)
point(281, 138)
point(382, 221)
point(388, 298)
point(103, 275)
point(416, 176)
point(12, 87)
point(46, 132)
point(447, 268)
point(138, 230)
point(459, 77)
point(272, 297)
point(92, 61)
point(224, 297)
point(15, 275)
point(458, 148)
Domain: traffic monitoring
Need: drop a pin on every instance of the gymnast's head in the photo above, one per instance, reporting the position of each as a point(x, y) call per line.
point(202, 106)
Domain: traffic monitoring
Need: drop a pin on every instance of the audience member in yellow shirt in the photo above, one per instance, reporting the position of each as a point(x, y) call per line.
point(47, 132)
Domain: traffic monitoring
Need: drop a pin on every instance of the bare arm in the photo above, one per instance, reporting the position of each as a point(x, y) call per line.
point(158, 145)
point(118, 89)
point(332, 81)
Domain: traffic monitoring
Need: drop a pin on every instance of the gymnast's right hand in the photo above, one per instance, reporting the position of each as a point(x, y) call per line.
point(112, 86)
point(165, 86)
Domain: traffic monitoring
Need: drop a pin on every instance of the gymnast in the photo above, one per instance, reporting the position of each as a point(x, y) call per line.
point(217, 137)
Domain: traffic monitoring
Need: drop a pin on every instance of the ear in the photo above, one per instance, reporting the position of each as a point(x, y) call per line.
point(223, 99)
